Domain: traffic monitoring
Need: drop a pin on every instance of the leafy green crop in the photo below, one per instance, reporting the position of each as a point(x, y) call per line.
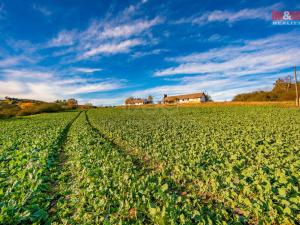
point(28, 146)
point(101, 184)
point(241, 162)
point(215, 165)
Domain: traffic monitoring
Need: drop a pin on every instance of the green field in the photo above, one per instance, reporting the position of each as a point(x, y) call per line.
point(212, 165)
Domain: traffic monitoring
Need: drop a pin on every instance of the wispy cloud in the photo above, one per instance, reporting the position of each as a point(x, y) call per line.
point(26, 74)
point(8, 61)
point(127, 30)
point(111, 48)
point(19, 53)
point(42, 9)
point(251, 57)
point(87, 70)
point(129, 12)
point(22, 46)
point(147, 53)
point(105, 37)
point(262, 13)
point(91, 88)
point(64, 38)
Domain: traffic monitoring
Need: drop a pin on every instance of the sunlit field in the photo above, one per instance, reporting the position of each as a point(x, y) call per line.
point(207, 165)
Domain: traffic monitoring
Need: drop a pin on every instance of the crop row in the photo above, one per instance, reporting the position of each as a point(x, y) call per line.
point(241, 162)
point(152, 166)
point(28, 150)
point(103, 184)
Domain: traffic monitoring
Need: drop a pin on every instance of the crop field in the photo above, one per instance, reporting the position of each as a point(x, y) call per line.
point(209, 165)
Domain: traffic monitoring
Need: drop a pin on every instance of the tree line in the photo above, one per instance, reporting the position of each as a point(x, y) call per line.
point(21, 107)
point(283, 90)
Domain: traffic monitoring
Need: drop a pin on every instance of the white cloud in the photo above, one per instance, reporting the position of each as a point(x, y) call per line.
point(245, 14)
point(112, 48)
point(113, 35)
point(9, 61)
point(49, 86)
point(215, 37)
point(26, 74)
point(90, 88)
point(129, 12)
point(11, 88)
point(127, 30)
point(37, 90)
point(251, 57)
point(88, 70)
point(262, 13)
point(64, 38)
point(22, 46)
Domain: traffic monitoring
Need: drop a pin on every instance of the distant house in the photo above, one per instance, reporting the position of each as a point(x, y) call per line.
point(135, 101)
point(188, 98)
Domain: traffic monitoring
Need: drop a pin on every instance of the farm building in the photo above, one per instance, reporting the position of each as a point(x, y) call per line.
point(135, 101)
point(188, 98)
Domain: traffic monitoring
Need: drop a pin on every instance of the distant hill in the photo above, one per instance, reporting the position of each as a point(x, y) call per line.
point(283, 90)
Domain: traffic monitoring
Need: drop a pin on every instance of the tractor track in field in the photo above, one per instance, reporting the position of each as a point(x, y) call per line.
point(142, 161)
point(59, 160)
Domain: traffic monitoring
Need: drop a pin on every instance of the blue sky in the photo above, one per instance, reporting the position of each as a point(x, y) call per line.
point(104, 51)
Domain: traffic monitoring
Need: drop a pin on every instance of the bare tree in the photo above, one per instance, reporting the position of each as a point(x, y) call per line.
point(150, 99)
